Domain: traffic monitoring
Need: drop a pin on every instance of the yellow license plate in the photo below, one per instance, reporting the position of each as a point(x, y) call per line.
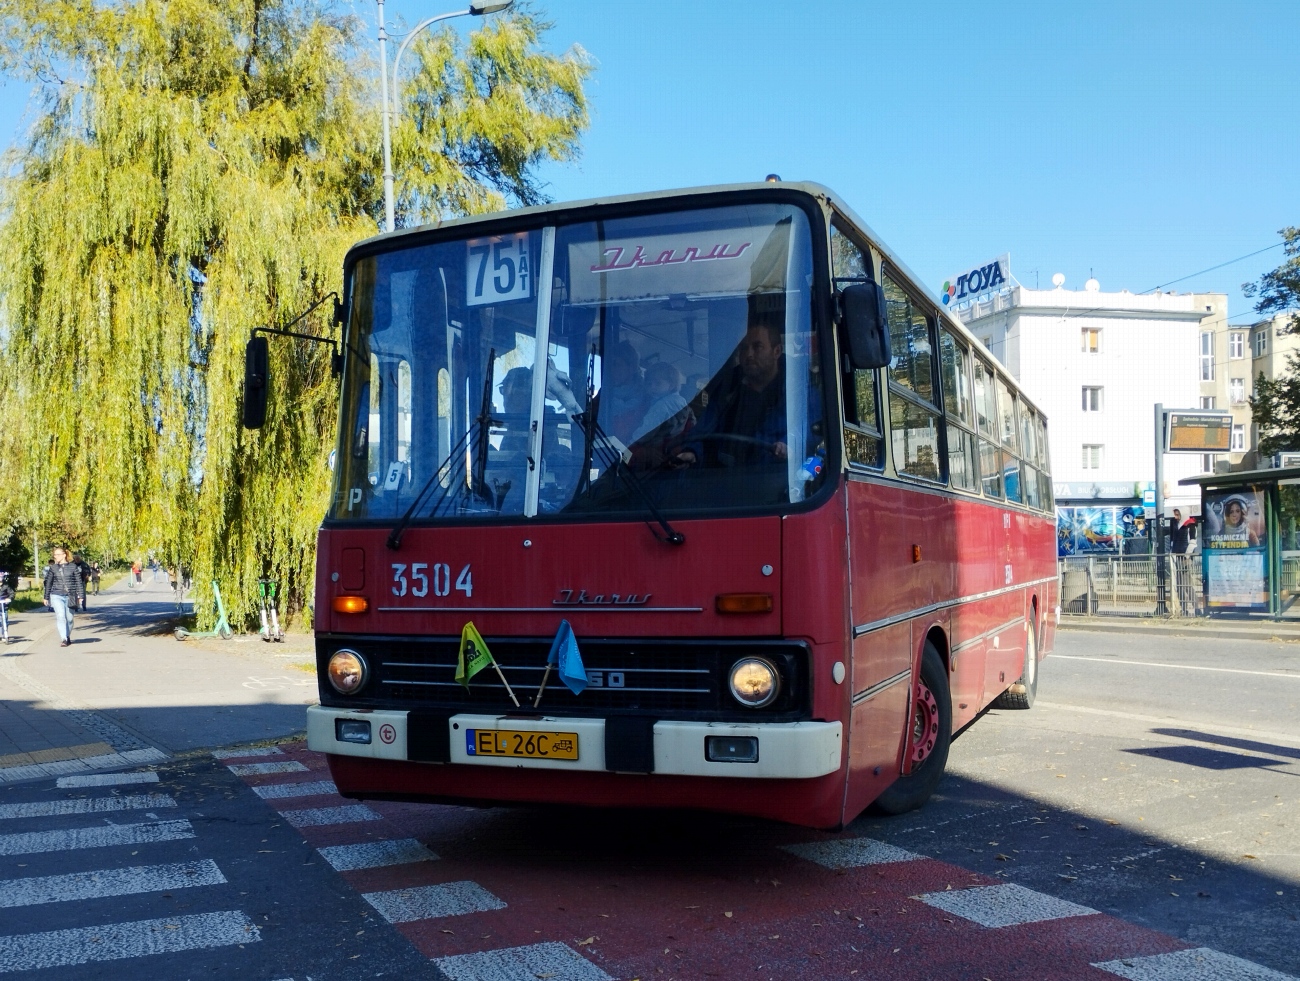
point(522, 745)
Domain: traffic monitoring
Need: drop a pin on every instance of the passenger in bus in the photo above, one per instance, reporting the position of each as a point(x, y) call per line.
point(667, 408)
point(623, 397)
point(516, 399)
point(745, 420)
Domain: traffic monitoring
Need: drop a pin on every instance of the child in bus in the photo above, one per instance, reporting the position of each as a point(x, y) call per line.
point(662, 381)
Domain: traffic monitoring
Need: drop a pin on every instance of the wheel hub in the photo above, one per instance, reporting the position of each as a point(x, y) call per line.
point(925, 723)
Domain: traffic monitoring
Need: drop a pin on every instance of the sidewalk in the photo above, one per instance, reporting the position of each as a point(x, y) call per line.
point(128, 693)
point(1285, 630)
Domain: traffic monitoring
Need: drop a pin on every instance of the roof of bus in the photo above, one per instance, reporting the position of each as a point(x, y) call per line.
point(819, 191)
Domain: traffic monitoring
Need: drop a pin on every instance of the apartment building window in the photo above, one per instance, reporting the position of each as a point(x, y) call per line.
point(1207, 462)
point(1207, 356)
point(1261, 343)
point(1207, 401)
point(1236, 345)
point(1092, 398)
point(1091, 337)
point(1092, 456)
point(1236, 390)
point(1239, 439)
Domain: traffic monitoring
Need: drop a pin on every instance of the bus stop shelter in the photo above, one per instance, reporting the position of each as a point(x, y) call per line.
point(1250, 541)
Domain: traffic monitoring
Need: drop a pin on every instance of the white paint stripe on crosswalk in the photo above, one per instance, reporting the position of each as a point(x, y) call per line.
point(1197, 964)
point(107, 780)
point(258, 769)
point(850, 853)
point(234, 754)
point(1003, 905)
point(87, 805)
point(315, 817)
point(33, 842)
point(374, 854)
point(556, 961)
point(431, 902)
point(109, 761)
point(108, 882)
point(279, 791)
point(114, 941)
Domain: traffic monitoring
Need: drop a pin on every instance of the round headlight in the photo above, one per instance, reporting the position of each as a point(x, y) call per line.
point(347, 672)
point(755, 682)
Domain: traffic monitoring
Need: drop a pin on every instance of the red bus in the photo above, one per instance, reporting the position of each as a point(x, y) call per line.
point(799, 522)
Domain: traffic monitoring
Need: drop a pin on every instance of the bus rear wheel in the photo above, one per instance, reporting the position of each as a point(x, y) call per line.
point(1021, 695)
point(931, 736)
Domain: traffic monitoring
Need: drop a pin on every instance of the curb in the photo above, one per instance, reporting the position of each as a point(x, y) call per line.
point(1277, 632)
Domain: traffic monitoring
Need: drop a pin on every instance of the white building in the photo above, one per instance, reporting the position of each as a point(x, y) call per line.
point(1097, 364)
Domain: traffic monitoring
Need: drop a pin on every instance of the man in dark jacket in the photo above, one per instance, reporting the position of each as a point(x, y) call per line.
point(64, 593)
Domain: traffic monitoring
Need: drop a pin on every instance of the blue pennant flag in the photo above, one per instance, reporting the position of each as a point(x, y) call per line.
point(564, 654)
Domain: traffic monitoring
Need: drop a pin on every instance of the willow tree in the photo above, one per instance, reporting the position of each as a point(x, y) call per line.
point(193, 169)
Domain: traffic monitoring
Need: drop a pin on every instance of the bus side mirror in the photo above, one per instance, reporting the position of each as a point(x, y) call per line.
point(865, 325)
point(256, 381)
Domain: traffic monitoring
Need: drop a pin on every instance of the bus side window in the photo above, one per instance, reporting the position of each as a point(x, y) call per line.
point(955, 378)
point(986, 416)
point(863, 439)
point(914, 416)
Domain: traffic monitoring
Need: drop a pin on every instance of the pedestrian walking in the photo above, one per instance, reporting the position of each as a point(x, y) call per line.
point(95, 573)
point(1180, 536)
point(84, 569)
point(135, 572)
point(64, 592)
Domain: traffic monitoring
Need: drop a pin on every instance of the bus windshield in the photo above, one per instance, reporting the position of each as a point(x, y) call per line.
point(586, 368)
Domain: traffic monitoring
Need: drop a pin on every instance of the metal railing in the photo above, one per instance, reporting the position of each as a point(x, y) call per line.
point(1126, 585)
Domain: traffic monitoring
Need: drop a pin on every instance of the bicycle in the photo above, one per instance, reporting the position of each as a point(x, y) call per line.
point(270, 631)
point(6, 597)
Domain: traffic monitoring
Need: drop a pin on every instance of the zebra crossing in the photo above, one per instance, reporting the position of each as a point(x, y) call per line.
point(344, 836)
point(469, 908)
point(81, 866)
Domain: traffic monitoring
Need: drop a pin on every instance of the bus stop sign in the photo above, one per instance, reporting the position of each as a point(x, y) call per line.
point(1197, 431)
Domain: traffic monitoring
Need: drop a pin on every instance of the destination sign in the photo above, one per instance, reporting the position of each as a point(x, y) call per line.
point(1190, 431)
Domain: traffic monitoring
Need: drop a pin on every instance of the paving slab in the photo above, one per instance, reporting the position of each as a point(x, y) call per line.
point(127, 692)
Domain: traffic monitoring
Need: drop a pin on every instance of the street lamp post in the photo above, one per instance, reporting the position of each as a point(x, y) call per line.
point(477, 8)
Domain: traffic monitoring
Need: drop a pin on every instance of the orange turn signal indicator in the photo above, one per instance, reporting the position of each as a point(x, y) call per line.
point(351, 604)
point(743, 603)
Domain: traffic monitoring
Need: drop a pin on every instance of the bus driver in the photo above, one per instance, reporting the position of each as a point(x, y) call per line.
point(750, 406)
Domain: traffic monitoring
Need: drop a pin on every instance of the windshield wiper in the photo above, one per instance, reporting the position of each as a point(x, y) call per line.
point(481, 426)
point(608, 447)
point(395, 536)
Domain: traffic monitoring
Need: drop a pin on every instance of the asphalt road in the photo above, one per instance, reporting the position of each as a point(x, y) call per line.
point(1146, 805)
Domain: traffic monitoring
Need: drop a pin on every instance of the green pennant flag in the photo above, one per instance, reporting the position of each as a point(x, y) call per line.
point(474, 654)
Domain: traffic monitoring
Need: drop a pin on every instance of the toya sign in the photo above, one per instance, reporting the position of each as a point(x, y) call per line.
point(995, 275)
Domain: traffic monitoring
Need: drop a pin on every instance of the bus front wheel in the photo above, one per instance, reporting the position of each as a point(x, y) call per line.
point(930, 737)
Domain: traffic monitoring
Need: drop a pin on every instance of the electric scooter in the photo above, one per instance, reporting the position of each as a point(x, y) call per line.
point(270, 631)
point(222, 628)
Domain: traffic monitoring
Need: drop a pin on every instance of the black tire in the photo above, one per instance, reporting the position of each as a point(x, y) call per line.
point(909, 792)
point(224, 633)
point(1021, 695)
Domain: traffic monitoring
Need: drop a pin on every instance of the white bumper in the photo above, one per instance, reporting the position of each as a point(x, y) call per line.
point(786, 750)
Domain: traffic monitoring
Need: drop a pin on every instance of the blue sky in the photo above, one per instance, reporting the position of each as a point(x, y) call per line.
point(1142, 141)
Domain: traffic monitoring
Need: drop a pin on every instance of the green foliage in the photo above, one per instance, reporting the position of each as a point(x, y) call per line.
point(197, 168)
point(1279, 291)
point(1275, 405)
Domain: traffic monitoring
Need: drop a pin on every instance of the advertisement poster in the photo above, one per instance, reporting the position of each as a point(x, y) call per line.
point(1235, 546)
point(1100, 531)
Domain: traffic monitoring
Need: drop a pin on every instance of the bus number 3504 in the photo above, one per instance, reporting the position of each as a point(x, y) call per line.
point(424, 575)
